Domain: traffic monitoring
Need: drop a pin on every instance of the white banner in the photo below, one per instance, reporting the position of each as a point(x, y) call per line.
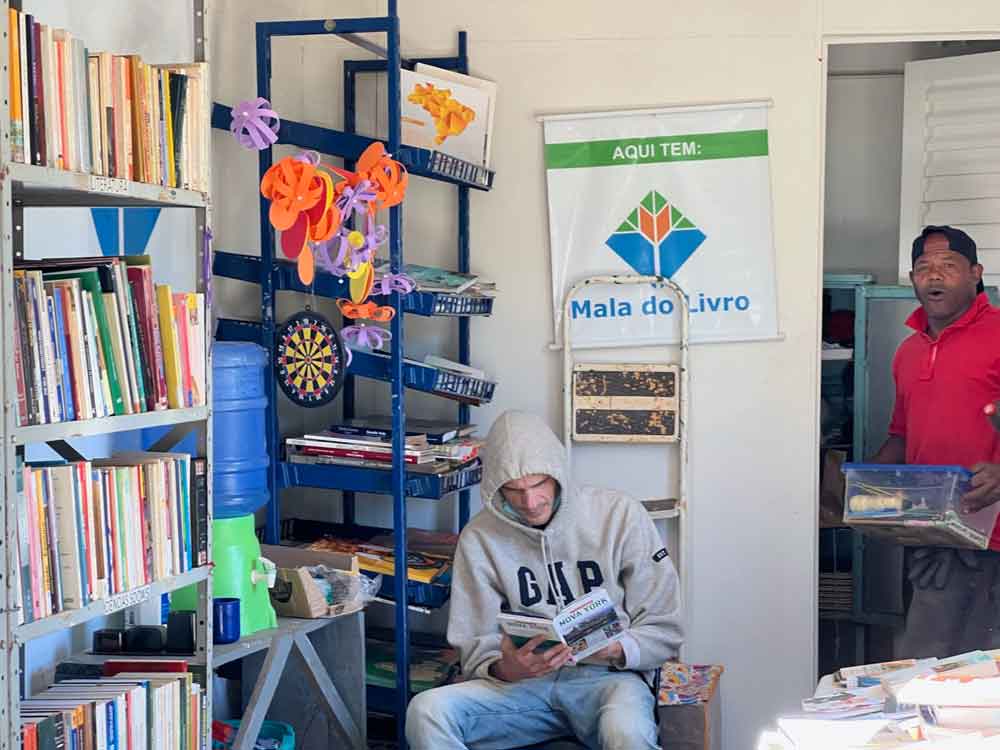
point(683, 193)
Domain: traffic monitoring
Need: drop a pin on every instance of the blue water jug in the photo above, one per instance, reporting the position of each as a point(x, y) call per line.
point(240, 461)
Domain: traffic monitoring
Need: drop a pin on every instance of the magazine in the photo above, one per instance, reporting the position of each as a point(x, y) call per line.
point(587, 625)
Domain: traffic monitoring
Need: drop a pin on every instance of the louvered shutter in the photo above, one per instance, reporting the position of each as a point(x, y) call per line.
point(951, 154)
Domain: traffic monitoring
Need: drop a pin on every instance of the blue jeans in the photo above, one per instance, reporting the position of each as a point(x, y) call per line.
point(605, 710)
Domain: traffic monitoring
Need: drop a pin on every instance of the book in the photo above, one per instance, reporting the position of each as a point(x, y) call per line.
point(587, 625)
point(444, 115)
point(430, 278)
point(62, 346)
point(377, 559)
point(140, 277)
point(489, 88)
point(199, 510)
point(432, 360)
point(380, 426)
point(412, 442)
point(37, 91)
point(14, 86)
point(346, 450)
point(436, 468)
point(171, 347)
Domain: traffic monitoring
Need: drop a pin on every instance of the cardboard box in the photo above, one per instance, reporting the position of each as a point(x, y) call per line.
point(295, 593)
point(688, 725)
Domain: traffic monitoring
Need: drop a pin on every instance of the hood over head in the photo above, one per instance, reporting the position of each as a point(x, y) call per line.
point(520, 444)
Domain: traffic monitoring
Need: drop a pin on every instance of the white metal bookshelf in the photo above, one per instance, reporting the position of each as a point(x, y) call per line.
point(27, 186)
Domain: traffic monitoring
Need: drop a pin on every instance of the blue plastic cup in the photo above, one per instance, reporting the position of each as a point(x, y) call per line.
point(226, 620)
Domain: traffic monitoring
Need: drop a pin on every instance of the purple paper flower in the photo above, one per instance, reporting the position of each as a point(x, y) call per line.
point(321, 254)
point(365, 336)
point(355, 199)
point(309, 157)
point(393, 282)
point(250, 126)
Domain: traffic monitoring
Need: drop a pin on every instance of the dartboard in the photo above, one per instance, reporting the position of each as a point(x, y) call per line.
point(309, 359)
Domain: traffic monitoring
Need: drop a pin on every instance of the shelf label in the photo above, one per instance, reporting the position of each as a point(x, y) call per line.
point(108, 185)
point(126, 599)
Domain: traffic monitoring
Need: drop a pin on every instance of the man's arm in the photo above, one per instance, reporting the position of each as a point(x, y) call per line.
point(475, 604)
point(652, 593)
point(893, 451)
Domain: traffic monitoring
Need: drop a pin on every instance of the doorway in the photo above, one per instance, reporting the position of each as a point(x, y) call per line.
point(912, 136)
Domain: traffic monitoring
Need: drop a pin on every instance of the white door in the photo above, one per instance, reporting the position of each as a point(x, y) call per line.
point(951, 154)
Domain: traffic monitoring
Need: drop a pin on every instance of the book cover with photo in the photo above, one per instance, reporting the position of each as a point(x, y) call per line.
point(586, 625)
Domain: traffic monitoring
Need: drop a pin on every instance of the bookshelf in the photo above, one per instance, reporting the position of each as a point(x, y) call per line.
point(29, 186)
point(273, 275)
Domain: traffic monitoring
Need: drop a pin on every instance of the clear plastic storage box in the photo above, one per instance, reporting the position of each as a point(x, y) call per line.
point(915, 505)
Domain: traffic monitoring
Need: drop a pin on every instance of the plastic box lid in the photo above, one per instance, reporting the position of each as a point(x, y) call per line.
point(910, 468)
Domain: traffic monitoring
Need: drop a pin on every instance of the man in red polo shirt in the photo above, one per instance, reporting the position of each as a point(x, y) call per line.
point(946, 373)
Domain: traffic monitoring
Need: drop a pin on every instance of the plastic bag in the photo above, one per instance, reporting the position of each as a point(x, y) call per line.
point(343, 588)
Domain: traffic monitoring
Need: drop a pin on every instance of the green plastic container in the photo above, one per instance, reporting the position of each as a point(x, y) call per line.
point(239, 572)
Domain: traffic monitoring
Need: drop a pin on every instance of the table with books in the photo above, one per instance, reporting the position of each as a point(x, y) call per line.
point(926, 704)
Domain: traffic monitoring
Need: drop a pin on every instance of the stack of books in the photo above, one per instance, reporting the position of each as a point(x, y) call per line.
point(89, 530)
point(927, 703)
point(137, 710)
point(432, 447)
point(378, 560)
point(94, 337)
point(104, 114)
point(439, 280)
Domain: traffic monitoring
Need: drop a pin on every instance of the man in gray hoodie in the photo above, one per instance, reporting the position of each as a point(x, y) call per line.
point(540, 542)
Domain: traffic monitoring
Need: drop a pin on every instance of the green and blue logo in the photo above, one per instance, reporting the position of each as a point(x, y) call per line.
point(656, 239)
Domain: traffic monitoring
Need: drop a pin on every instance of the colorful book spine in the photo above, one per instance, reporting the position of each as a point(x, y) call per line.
point(14, 70)
point(62, 353)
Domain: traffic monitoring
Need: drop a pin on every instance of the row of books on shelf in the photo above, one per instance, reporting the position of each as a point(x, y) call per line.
point(430, 447)
point(129, 707)
point(430, 554)
point(89, 530)
point(105, 114)
point(96, 338)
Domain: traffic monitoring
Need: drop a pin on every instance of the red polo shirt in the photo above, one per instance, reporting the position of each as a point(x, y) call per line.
point(942, 386)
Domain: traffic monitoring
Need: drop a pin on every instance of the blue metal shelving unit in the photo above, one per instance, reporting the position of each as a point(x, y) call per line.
point(274, 275)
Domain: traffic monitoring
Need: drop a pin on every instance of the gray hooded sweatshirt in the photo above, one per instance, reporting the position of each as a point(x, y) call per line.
point(595, 538)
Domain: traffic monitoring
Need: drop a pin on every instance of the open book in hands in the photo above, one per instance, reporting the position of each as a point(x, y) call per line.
point(586, 625)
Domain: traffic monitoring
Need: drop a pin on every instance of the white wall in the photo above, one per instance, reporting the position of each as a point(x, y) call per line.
point(754, 405)
point(864, 120)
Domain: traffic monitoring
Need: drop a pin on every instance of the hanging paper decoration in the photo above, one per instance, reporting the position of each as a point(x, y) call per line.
point(393, 282)
point(364, 336)
point(312, 211)
point(250, 124)
point(367, 310)
point(302, 206)
point(309, 359)
point(361, 284)
point(307, 206)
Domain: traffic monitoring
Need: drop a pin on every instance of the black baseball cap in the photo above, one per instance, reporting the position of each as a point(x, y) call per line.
point(958, 241)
